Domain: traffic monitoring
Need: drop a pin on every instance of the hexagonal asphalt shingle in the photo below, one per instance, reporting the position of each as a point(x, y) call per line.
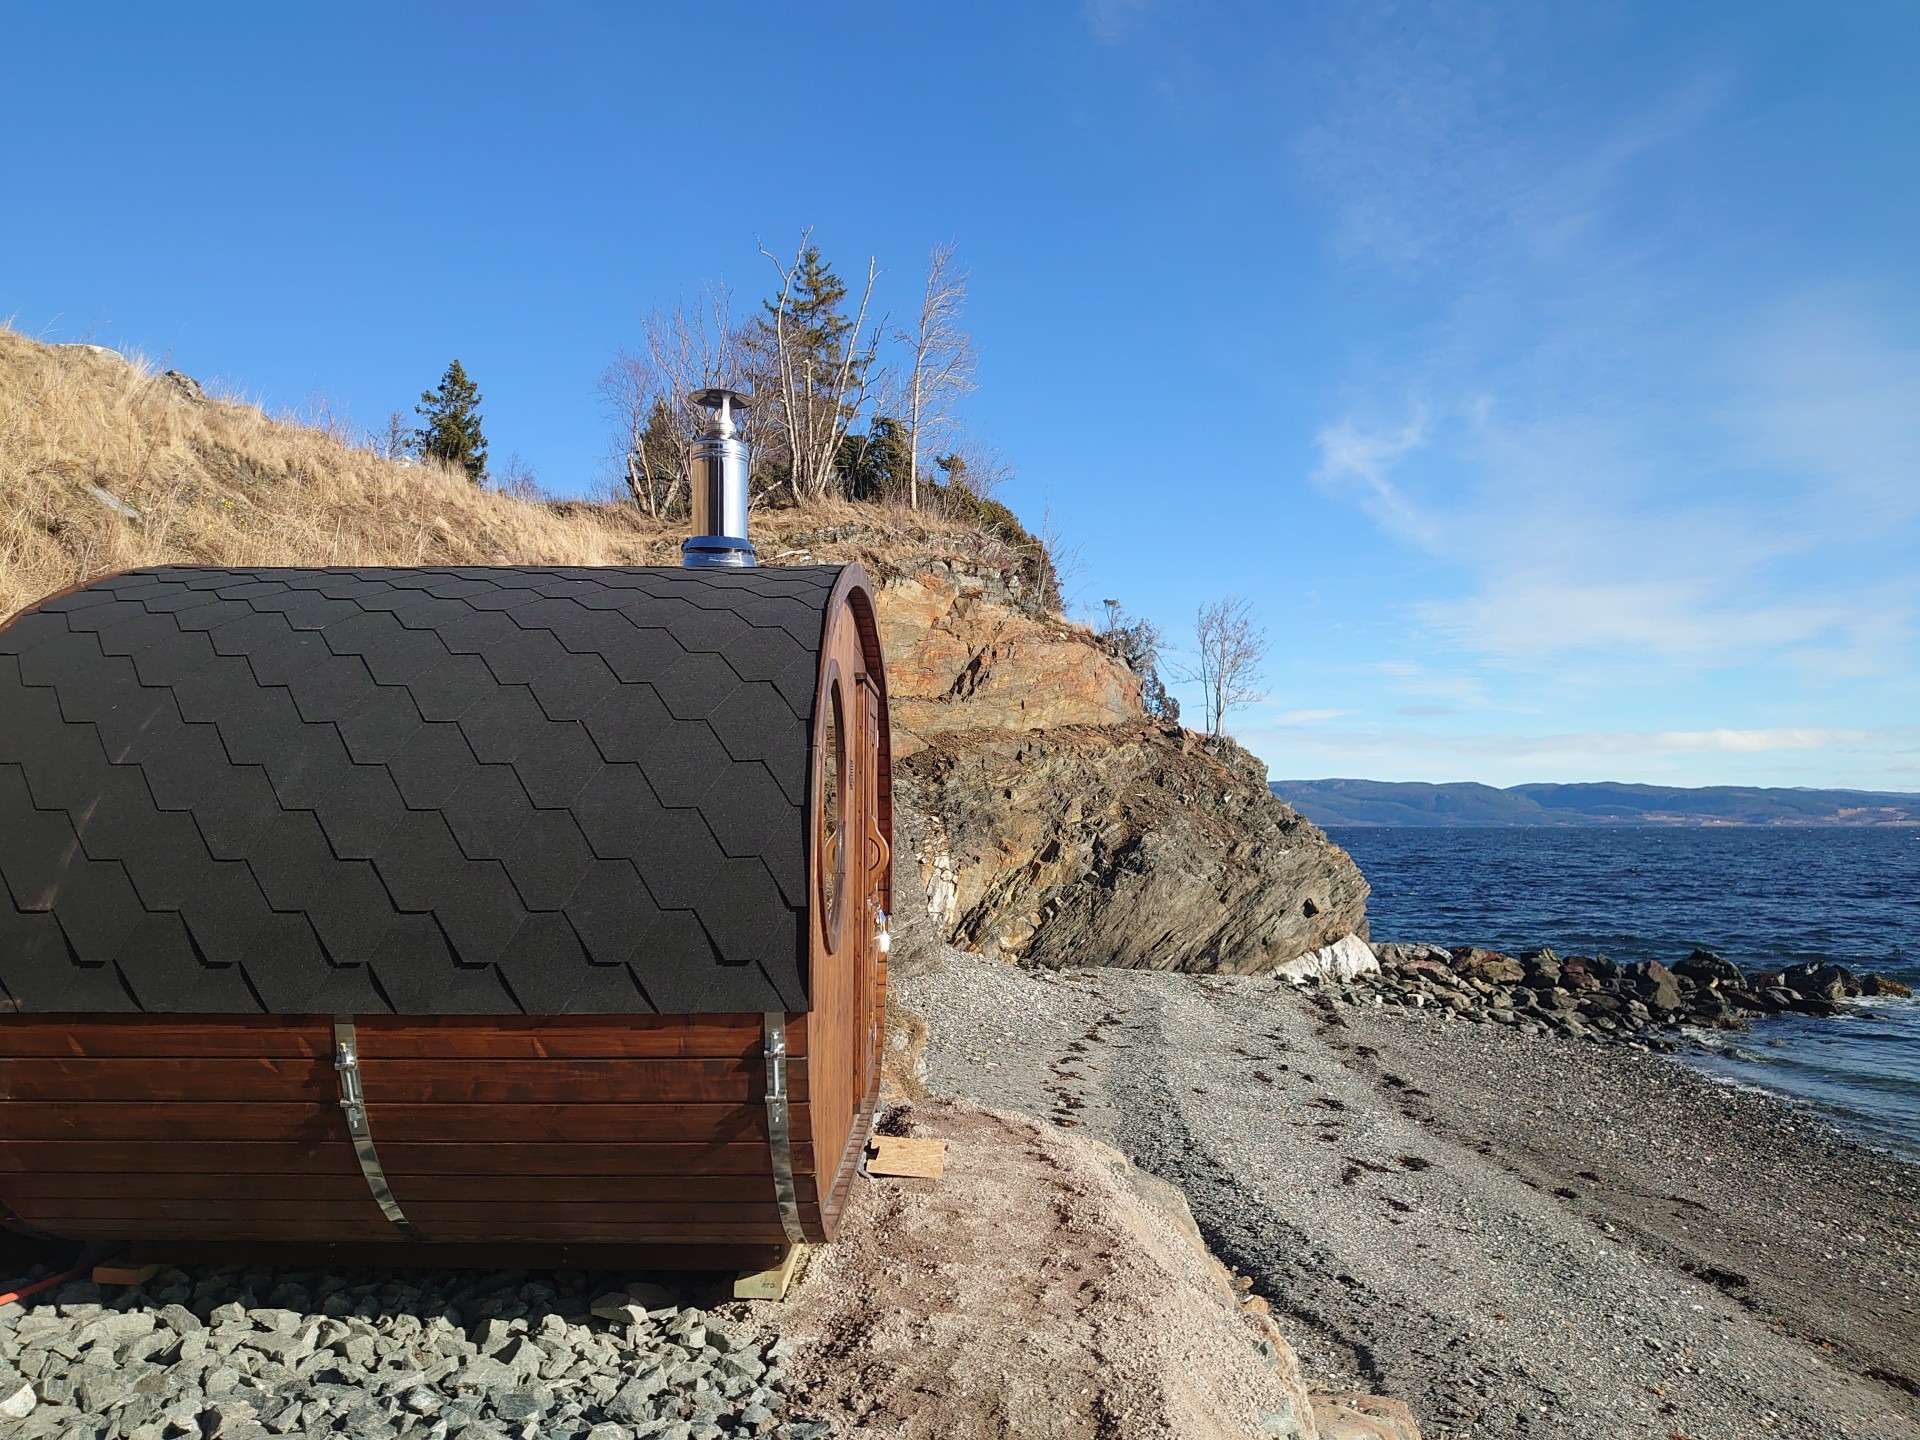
point(453, 790)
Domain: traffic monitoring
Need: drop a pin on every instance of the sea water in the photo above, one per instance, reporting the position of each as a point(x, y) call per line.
point(1764, 898)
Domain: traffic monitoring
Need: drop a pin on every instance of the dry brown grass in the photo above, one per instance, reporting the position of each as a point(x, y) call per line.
point(220, 483)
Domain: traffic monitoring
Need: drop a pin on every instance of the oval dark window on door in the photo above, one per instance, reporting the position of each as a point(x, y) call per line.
point(833, 840)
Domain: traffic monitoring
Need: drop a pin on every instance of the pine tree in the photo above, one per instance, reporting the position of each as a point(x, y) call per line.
point(452, 429)
point(812, 368)
point(874, 466)
point(816, 325)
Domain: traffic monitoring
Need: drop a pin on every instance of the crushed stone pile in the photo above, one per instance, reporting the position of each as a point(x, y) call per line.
point(238, 1355)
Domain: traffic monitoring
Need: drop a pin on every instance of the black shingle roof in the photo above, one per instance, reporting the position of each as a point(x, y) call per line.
point(432, 791)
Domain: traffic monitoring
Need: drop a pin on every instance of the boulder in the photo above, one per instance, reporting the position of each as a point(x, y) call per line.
point(1823, 982)
point(1575, 976)
point(1543, 969)
point(1488, 965)
point(1655, 984)
point(1708, 970)
point(1345, 959)
point(186, 387)
point(1414, 956)
point(1813, 1005)
point(1883, 985)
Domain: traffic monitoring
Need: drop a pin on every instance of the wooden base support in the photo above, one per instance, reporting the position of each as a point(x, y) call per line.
point(411, 1255)
point(124, 1272)
point(896, 1155)
point(770, 1284)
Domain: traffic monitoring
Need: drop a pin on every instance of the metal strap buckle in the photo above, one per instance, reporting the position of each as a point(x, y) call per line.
point(779, 1132)
point(346, 1065)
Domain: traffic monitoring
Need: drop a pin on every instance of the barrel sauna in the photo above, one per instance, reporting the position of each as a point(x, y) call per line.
point(418, 913)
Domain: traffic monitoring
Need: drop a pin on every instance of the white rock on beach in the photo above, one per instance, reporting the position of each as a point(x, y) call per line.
point(1342, 960)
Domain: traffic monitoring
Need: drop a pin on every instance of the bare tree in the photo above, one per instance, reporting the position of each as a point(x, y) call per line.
point(648, 392)
point(1231, 651)
point(975, 466)
point(395, 440)
point(636, 397)
point(943, 364)
point(820, 365)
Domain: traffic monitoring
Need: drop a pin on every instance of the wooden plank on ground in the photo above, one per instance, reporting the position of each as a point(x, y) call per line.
point(771, 1283)
point(897, 1155)
point(124, 1272)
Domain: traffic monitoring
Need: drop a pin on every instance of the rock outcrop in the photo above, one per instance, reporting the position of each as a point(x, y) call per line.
point(967, 650)
point(1044, 815)
point(1069, 826)
point(1135, 845)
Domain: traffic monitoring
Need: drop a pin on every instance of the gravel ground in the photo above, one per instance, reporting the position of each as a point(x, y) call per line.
point(242, 1355)
point(1519, 1236)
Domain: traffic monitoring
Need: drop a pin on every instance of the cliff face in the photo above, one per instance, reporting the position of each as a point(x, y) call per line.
point(965, 654)
point(1049, 820)
point(1134, 845)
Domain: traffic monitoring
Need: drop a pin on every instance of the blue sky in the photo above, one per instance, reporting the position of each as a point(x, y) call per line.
point(1547, 377)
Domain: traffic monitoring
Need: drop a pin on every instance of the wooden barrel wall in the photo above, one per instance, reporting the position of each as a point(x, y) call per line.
point(181, 1129)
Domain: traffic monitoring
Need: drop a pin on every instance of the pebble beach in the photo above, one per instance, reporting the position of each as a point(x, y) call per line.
point(1514, 1231)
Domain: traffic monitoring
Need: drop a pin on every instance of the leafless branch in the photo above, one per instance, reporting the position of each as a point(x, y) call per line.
point(647, 392)
point(1231, 650)
point(943, 364)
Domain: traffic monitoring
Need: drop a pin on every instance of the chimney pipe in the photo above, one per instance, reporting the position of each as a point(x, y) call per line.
point(717, 478)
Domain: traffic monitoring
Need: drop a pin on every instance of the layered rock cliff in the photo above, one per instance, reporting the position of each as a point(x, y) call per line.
point(1048, 819)
point(1135, 845)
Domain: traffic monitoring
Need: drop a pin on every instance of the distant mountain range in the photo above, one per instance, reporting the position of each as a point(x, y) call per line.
point(1389, 802)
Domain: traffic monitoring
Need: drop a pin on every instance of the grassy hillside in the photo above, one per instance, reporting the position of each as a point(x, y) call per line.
point(107, 465)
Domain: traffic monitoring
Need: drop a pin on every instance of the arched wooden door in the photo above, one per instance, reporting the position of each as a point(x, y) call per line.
point(877, 870)
point(852, 836)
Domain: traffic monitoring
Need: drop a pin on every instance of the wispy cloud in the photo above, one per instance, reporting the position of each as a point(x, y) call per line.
point(1359, 462)
point(1115, 21)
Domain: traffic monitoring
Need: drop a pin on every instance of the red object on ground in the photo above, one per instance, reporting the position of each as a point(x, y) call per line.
point(20, 1291)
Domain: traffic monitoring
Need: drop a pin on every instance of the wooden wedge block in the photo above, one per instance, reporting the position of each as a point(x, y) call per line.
point(124, 1272)
point(895, 1155)
point(768, 1284)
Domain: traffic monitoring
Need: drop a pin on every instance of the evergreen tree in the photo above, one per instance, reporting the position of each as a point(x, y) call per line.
point(812, 368)
point(816, 325)
point(452, 429)
point(874, 466)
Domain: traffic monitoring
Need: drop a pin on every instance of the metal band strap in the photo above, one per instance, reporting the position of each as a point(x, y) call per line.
point(346, 1063)
point(779, 1132)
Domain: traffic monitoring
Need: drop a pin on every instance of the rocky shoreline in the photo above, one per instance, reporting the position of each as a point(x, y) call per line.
point(1589, 997)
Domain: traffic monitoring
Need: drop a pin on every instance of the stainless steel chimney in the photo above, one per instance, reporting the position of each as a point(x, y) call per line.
point(717, 478)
